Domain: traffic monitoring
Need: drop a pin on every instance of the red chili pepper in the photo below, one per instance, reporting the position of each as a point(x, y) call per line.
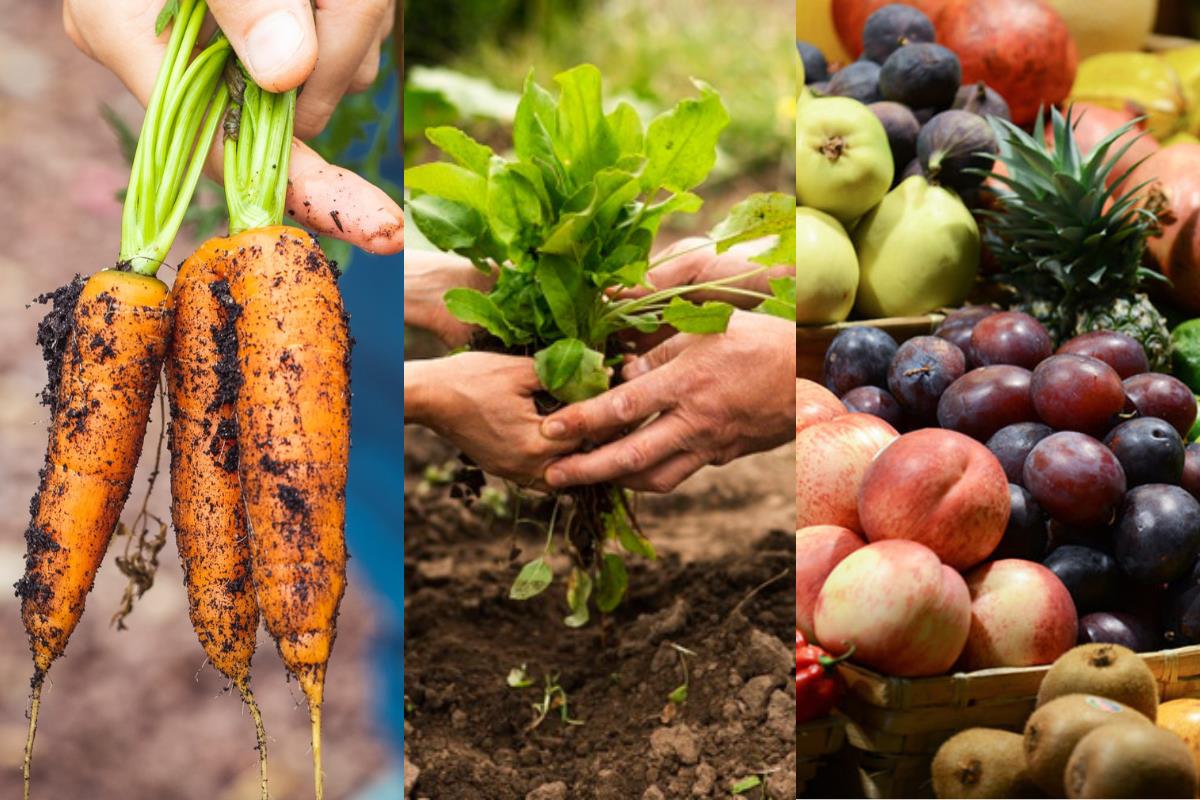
point(819, 687)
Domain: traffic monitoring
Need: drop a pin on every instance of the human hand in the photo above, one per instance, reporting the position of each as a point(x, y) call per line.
point(717, 397)
point(427, 278)
point(483, 404)
point(277, 41)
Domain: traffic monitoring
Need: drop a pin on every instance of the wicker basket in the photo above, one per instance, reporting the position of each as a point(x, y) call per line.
point(816, 741)
point(896, 724)
point(811, 343)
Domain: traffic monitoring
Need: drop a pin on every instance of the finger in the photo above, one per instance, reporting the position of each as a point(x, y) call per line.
point(626, 404)
point(665, 477)
point(367, 72)
point(347, 30)
point(336, 202)
point(124, 43)
point(659, 356)
point(276, 40)
point(635, 453)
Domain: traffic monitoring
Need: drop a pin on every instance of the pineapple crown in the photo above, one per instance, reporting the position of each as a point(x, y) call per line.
point(1058, 233)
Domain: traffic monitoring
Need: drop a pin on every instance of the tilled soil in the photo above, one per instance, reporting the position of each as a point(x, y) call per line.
point(723, 589)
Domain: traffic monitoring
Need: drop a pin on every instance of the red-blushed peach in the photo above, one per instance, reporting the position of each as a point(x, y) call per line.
point(940, 488)
point(1021, 615)
point(906, 613)
point(831, 458)
point(819, 549)
point(815, 403)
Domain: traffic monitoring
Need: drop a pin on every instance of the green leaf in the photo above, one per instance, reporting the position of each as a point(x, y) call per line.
point(685, 202)
point(514, 206)
point(446, 224)
point(614, 190)
point(680, 695)
point(476, 308)
point(462, 148)
point(746, 784)
point(448, 181)
point(616, 523)
point(169, 10)
point(535, 126)
point(558, 363)
point(681, 144)
point(561, 281)
point(626, 127)
point(579, 590)
point(532, 580)
point(611, 583)
point(759, 215)
point(783, 304)
point(584, 143)
point(688, 317)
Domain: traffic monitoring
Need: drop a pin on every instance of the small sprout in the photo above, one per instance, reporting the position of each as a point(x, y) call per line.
point(746, 784)
point(495, 502)
point(679, 695)
point(553, 697)
point(438, 474)
point(518, 678)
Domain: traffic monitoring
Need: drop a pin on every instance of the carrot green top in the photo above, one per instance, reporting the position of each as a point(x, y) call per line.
point(258, 149)
point(181, 118)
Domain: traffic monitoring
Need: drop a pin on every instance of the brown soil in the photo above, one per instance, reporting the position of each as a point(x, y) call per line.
point(722, 588)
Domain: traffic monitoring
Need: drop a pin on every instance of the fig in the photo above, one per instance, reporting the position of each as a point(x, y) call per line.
point(921, 76)
point(859, 81)
point(819, 89)
point(981, 99)
point(816, 69)
point(893, 27)
point(901, 128)
point(954, 142)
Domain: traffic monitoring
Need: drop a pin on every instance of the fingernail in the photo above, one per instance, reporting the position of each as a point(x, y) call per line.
point(554, 477)
point(553, 429)
point(272, 43)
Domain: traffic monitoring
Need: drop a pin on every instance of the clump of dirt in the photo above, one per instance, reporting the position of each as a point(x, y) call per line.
point(54, 332)
point(604, 714)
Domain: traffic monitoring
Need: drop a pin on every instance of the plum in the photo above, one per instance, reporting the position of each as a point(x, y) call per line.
point(1076, 479)
point(875, 401)
point(1182, 617)
point(1191, 470)
point(1120, 351)
point(959, 323)
point(893, 27)
point(979, 98)
point(987, 399)
point(901, 128)
point(1158, 395)
point(953, 145)
point(1025, 536)
point(859, 80)
point(921, 76)
point(1149, 449)
point(1090, 575)
point(815, 67)
point(1158, 533)
point(1010, 337)
point(1011, 445)
point(858, 356)
point(922, 369)
point(1118, 627)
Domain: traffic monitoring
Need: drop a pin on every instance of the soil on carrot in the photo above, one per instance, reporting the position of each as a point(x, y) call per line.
point(714, 613)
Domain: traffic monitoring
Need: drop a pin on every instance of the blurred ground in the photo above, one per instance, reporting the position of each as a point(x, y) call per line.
point(134, 714)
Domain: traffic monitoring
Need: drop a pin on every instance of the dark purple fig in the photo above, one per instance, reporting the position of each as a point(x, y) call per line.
point(893, 27)
point(859, 81)
point(923, 115)
point(981, 99)
point(1118, 627)
point(901, 128)
point(819, 89)
point(921, 76)
point(954, 142)
point(815, 67)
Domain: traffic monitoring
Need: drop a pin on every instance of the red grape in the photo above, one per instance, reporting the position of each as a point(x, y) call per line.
point(1077, 393)
point(923, 368)
point(1075, 479)
point(1010, 337)
point(1158, 395)
point(985, 400)
point(1120, 351)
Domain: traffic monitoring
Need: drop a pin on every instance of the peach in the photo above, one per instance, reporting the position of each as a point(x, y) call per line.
point(819, 549)
point(831, 458)
point(1021, 615)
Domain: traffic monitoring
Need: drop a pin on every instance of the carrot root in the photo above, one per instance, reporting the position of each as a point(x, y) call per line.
point(260, 732)
point(314, 713)
point(35, 703)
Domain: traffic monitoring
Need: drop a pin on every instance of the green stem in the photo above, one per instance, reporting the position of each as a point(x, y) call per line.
point(184, 110)
point(631, 306)
point(257, 155)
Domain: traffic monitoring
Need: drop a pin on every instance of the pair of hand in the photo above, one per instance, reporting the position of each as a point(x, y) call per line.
point(716, 397)
point(331, 47)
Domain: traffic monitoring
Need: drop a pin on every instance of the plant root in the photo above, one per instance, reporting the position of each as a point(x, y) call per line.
point(318, 778)
point(35, 703)
point(260, 733)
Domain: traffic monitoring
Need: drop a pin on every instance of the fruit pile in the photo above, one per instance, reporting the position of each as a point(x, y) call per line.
point(1057, 482)
point(1093, 734)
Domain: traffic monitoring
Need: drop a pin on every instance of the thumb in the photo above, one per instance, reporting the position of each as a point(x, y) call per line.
point(275, 39)
point(659, 356)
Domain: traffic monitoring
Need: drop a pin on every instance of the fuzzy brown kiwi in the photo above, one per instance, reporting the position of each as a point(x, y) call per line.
point(1131, 761)
point(982, 762)
point(1053, 730)
point(1108, 670)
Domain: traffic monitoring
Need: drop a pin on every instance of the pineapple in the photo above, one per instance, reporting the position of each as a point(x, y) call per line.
point(1069, 247)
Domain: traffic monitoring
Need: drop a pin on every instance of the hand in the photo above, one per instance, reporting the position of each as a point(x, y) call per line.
point(278, 41)
point(483, 404)
point(427, 278)
point(717, 397)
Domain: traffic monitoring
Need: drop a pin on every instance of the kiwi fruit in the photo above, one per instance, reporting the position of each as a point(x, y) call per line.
point(982, 762)
point(1105, 669)
point(1053, 730)
point(1131, 761)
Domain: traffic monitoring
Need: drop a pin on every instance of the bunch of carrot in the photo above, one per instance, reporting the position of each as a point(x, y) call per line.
point(256, 348)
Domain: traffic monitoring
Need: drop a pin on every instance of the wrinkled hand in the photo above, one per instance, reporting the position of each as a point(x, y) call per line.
point(483, 404)
point(717, 397)
point(278, 41)
point(427, 278)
